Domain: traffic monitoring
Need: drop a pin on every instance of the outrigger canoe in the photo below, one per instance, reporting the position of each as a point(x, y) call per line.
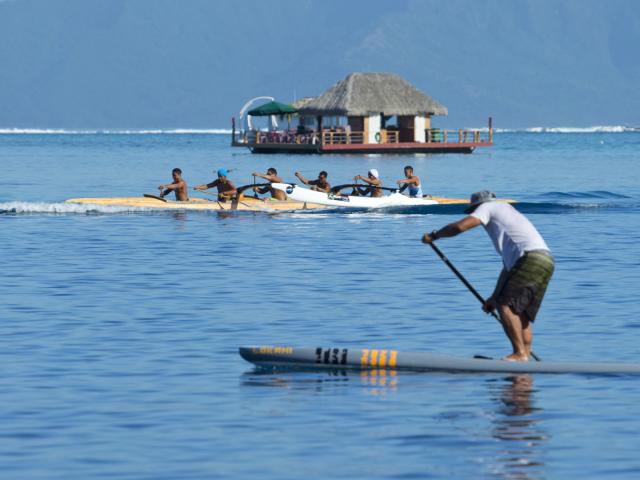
point(246, 204)
point(335, 199)
point(367, 359)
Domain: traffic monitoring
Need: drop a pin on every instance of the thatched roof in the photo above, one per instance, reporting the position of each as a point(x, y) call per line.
point(363, 94)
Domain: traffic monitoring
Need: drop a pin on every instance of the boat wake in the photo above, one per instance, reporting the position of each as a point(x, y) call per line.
point(63, 208)
point(601, 194)
point(550, 203)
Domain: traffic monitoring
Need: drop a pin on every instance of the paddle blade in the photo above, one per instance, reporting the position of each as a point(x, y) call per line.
point(155, 197)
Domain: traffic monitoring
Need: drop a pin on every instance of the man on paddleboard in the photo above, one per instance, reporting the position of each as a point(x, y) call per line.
point(179, 187)
point(527, 266)
point(272, 177)
point(226, 189)
point(321, 184)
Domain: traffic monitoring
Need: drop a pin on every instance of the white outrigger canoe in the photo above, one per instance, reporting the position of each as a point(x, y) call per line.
point(368, 358)
point(395, 199)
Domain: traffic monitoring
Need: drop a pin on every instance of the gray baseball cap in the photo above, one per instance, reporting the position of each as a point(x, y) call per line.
point(478, 198)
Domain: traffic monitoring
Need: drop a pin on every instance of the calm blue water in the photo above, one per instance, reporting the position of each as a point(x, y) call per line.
point(120, 328)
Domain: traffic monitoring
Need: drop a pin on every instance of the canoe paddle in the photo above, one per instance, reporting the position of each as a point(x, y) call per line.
point(469, 286)
point(156, 197)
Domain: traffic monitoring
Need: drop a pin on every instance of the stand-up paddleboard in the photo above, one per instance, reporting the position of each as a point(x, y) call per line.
point(246, 203)
point(365, 358)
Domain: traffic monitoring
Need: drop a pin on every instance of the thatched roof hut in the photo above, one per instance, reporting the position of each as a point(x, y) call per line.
point(362, 94)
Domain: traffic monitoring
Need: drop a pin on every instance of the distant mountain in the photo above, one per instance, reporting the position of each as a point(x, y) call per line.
point(193, 63)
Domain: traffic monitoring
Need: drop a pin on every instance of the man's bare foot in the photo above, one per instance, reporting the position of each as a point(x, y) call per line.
point(515, 357)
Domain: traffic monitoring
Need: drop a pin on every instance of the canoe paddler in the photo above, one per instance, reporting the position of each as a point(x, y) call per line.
point(373, 181)
point(411, 182)
point(179, 187)
point(226, 189)
point(272, 177)
point(527, 266)
point(320, 184)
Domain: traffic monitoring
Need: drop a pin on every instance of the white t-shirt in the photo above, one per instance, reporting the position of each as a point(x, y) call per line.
point(510, 231)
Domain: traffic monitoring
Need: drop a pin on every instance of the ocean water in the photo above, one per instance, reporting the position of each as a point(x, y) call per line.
point(120, 327)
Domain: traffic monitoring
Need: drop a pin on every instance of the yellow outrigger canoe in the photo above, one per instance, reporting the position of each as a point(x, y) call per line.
point(246, 203)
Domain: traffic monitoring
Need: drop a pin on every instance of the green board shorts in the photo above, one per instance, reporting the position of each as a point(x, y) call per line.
point(527, 283)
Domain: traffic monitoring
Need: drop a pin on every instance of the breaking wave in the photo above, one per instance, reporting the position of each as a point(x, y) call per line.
point(55, 131)
point(594, 129)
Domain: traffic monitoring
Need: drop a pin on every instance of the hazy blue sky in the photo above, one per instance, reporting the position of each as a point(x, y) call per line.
point(193, 63)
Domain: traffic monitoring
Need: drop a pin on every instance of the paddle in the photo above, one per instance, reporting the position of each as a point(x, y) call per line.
point(156, 197)
point(337, 188)
point(468, 285)
point(251, 185)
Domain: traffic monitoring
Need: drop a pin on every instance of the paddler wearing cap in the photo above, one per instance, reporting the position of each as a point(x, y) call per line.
point(527, 266)
point(226, 189)
point(373, 181)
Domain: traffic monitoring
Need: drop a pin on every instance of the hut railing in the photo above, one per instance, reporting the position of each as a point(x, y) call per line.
point(436, 135)
point(340, 137)
point(310, 138)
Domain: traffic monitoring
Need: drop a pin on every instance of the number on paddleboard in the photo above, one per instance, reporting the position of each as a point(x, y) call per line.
point(331, 356)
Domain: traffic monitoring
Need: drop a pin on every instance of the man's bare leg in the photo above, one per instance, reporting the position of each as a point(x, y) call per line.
point(518, 332)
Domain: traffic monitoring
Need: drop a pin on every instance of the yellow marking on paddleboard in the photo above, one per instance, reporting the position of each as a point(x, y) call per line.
point(393, 359)
point(383, 359)
point(274, 350)
point(373, 361)
point(364, 359)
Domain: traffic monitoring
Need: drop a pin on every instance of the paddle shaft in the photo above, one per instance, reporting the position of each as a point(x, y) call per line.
point(444, 258)
point(447, 262)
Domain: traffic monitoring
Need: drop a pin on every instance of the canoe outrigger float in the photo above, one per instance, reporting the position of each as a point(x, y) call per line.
point(157, 203)
point(368, 359)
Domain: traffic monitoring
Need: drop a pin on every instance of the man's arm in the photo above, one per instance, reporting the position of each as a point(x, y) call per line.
point(206, 185)
point(370, 182)
point(302, 179)
point(261, 190)
point(452, 229)
point(230, 192)
point(266, 177)
point(315, 186)
point(408, 181)
point(167, 189)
